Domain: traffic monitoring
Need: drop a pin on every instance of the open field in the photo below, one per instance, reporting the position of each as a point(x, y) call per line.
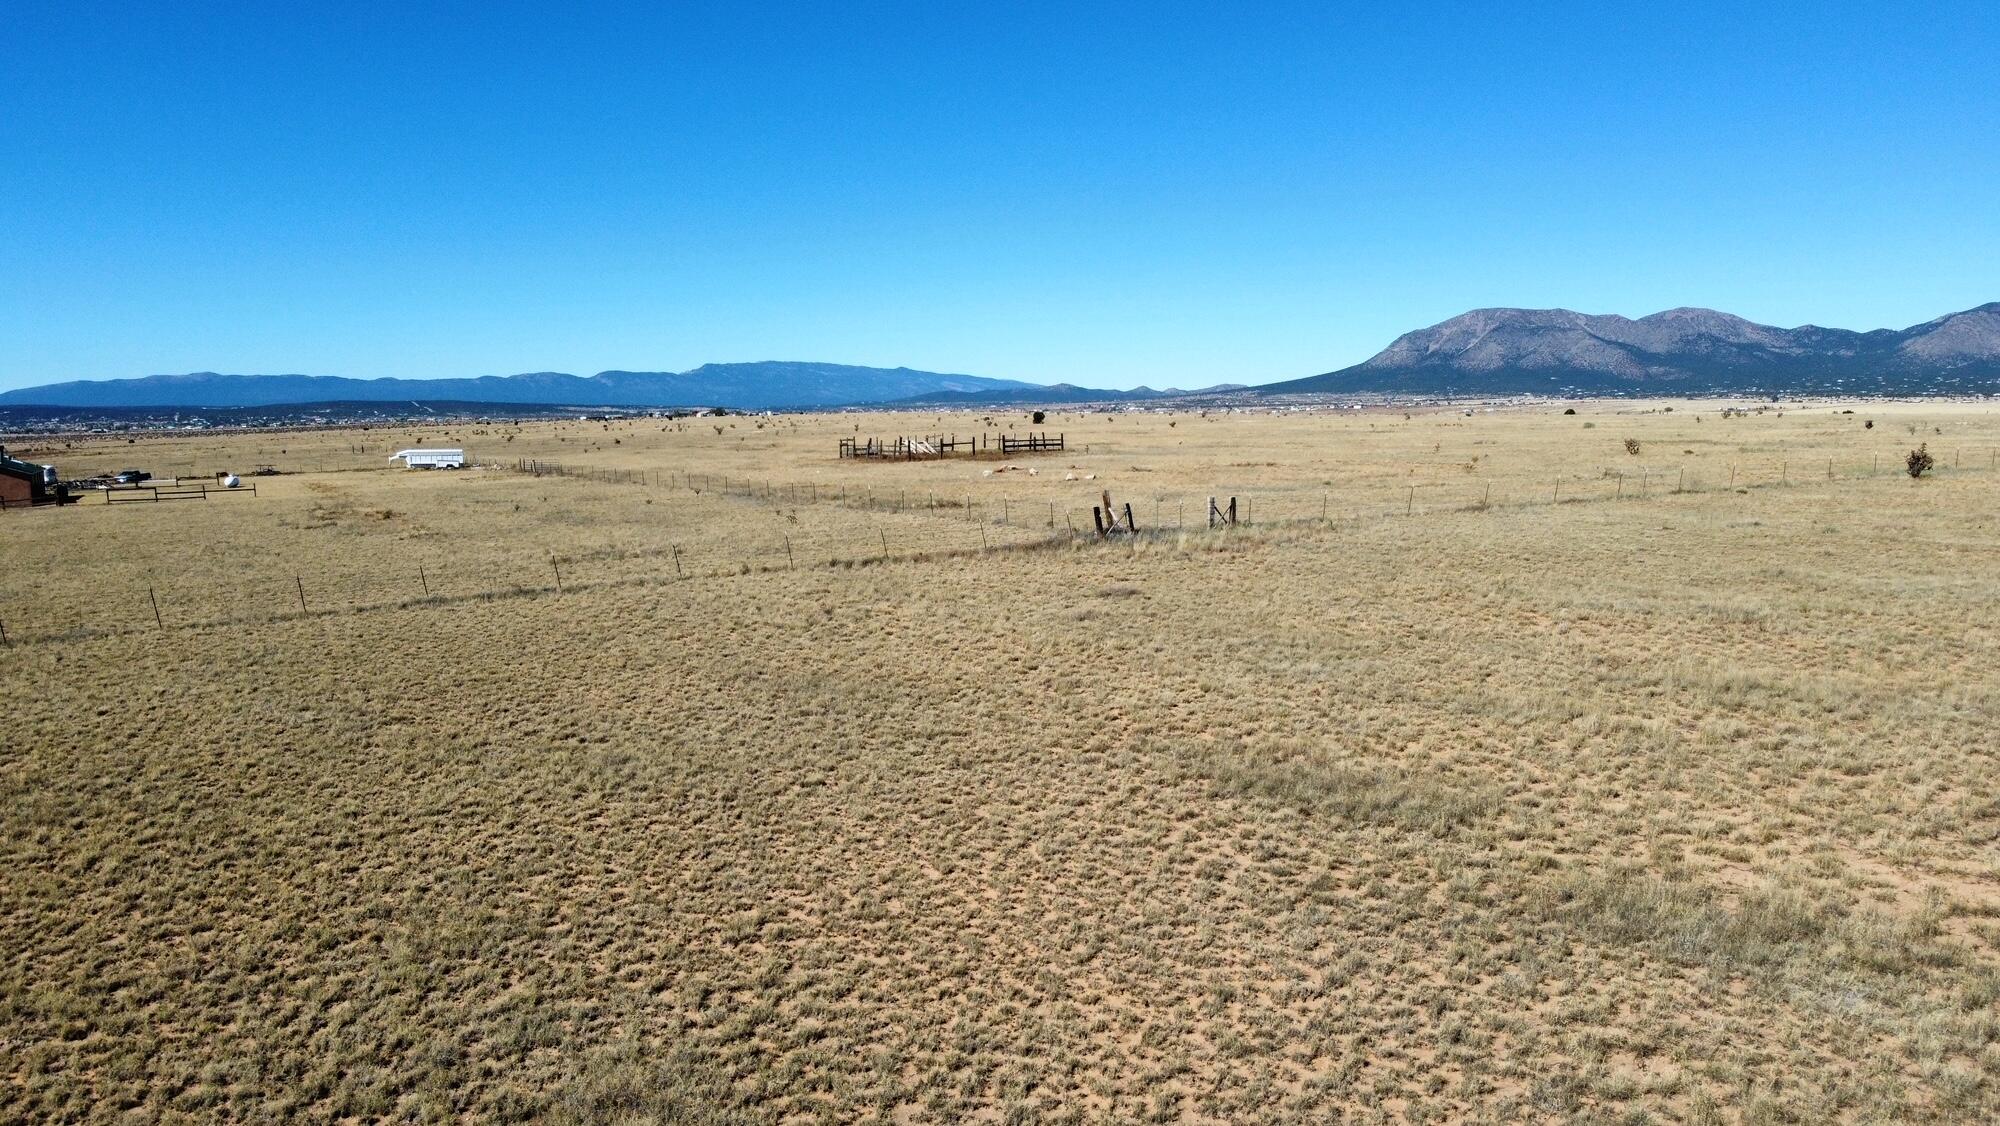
point(1488, 771)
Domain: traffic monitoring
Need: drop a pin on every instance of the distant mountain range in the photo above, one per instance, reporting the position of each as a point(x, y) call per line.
point(1484, 352)
point(1058, 393)
point(1678, 352)
point(753, 386)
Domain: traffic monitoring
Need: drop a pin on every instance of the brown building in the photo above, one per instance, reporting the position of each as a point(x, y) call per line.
point(24, 482)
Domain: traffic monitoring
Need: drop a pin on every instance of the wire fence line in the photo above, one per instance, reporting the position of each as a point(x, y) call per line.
point(953, 527)
point(1640, 480)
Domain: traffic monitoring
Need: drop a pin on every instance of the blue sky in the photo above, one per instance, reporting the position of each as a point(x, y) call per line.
point(1100, 194)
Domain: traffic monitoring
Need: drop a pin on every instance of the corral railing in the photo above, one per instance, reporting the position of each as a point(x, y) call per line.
point(1032, 444)
point(921, 448)
point(193, 490)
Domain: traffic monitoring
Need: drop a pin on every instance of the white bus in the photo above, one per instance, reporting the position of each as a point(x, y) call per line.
point(430, 459)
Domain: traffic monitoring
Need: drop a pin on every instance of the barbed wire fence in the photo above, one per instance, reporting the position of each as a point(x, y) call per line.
point(942, 525)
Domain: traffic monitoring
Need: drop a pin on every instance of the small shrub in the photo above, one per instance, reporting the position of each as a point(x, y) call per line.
point(1920, 461)
point(1632, 446)
point(1569, 410)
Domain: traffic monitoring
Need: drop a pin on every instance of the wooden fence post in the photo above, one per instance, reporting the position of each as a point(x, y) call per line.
point(424, 579)
point(301, 583)
point(155, 600)
point(557, 568)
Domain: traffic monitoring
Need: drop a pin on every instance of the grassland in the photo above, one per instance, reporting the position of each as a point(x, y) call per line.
point(1490, 771)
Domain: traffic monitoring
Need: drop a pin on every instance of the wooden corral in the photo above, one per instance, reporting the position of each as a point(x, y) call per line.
point(1032, 444)
point(176, 490)
point(937, 447)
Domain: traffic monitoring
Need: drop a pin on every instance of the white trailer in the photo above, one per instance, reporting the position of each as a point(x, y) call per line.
point(430, 459)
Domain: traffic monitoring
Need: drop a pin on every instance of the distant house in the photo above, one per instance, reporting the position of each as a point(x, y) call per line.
point(430, 459)
point(25, 483)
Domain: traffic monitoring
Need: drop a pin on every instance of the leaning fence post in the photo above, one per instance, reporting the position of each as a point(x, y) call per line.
point(790, 563)
point(301, 584)
point(557, 568)
point(885, 542)
point(155, 600)
point(424, 579)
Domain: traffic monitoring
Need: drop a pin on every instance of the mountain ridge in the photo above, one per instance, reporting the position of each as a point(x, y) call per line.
point(764, 384)
point(1686, 350)
point(1491, 351)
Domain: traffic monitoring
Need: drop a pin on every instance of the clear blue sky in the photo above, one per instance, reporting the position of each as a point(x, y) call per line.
point(1103, 194)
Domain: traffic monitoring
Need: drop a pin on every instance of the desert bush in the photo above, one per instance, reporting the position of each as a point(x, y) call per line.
point(1356, 793)
point(1632, 446)
point(1920, 461)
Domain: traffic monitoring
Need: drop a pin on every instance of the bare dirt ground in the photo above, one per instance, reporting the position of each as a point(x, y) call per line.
point(1489, 770)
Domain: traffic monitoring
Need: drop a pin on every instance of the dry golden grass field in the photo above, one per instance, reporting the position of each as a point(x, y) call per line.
point(1487, 771)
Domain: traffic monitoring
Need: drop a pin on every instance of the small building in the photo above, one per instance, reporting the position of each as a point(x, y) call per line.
point(24, 483)
point(430, 459)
